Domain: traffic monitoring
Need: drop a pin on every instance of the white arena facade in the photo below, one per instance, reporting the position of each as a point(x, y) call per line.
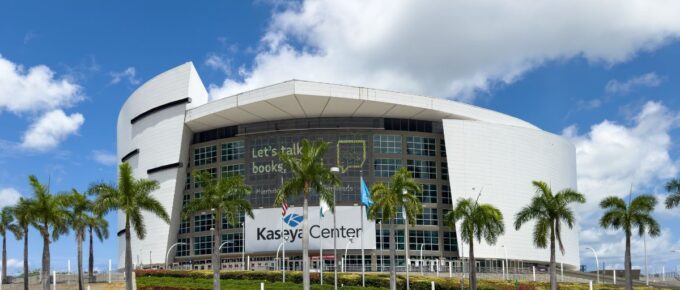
point(168, 128)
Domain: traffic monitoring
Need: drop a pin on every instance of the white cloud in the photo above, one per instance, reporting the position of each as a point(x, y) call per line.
point(219, 63)
point(104, 157)
point(449, 48)
point(645, 80)
point(50, 129)
point(613, 156)
point(128, 74)
point(34, 89)
point(8, 197)
point(610, 158)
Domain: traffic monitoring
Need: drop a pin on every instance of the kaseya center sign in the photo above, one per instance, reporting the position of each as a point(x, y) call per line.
point(269, 229)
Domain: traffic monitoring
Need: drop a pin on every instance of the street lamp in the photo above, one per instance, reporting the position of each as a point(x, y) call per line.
point(507, 266)
point(335, 170)
point(597, 264)
point(243, 250)
point(381, 245)
point(168, 254)
point(421, 258)
point(406, 242)
point(344, 258)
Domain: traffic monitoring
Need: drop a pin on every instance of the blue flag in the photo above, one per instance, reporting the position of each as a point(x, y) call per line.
point(365, 194)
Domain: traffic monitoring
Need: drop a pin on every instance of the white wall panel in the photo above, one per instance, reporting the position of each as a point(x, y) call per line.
point(161, 139)
point(504, 160)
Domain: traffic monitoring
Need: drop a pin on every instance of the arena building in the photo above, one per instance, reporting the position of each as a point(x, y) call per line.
point(168, 128)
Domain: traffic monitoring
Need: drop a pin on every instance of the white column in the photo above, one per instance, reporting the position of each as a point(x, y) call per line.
point(533, 268)
point(450, 269)
point(261, 285)
point(54, 280)
point(590, 285)
point(109, 271)
point(69, 267)
point(432, 285)
point(614, 271)
point(561, 272)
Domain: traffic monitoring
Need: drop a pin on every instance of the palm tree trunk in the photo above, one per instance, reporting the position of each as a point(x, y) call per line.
point(79, 238)
point(553, 275)
point(216, 263)
point(46, 258)
point(90, 260)
point(305, 241)
point(128, 255)
point(4, 258)
point(627, 264)
point(393, 254)
point(25, 257)
point(473, 266)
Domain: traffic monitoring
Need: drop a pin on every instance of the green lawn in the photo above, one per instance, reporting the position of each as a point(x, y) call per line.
point(200, 283)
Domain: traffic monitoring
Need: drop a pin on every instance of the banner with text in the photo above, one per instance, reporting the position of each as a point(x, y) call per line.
point(268, 229)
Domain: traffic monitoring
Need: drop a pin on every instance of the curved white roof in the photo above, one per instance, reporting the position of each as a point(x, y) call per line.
point(305, 99)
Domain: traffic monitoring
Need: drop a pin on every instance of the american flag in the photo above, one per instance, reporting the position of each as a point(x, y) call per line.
point(284, 208)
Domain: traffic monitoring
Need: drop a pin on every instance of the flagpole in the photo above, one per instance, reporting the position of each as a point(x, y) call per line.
point(363, 258)
point(321, 240)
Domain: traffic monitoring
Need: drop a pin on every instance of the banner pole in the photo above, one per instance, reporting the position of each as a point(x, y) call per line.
point(363, 259)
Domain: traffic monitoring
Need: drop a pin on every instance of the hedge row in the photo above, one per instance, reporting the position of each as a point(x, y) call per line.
point(346, 279)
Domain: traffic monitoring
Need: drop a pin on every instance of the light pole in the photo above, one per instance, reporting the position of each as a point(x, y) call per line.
point(168, 254)
point(507, 266)
point(406, 242)
point(243, 249)
point(421, 258)
point(597, 264)
point(344, 258)
point(335, 171)
point(381, 245)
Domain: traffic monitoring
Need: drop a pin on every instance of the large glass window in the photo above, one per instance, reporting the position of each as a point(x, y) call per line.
point(227, 225)
point(213, 173)
point(421, 146)
point(203, 245)
point(446, 194)
point(232, 150)
point(445, 171)
point(386, 167)
point(205, 155)
point(203, 222)
point(385, 239)
point(234, 243)
point(182, 249)
point(429, 240)
point(187, 185)
point(442, 148)
point(428, 217)
point(353, 263)
point(184, 227)
point(428, 193)
point(185, 199)
point(424, 169)
point(450, 242)
point(233, 169)
point(387, 144)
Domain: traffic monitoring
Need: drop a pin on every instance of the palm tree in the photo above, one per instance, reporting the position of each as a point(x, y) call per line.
point(225, 197)
point(131, 196)
point(388, 199)
point(308, 174)
point(6, 224)
point(81, 206)
point(673, 199)
point(24, 215)
point(96, 225)
point(549, 212)
point(636, 215)
point(51, 219)
point(477, 221)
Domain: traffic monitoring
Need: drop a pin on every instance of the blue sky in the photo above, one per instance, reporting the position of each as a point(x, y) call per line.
point(67, 67)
